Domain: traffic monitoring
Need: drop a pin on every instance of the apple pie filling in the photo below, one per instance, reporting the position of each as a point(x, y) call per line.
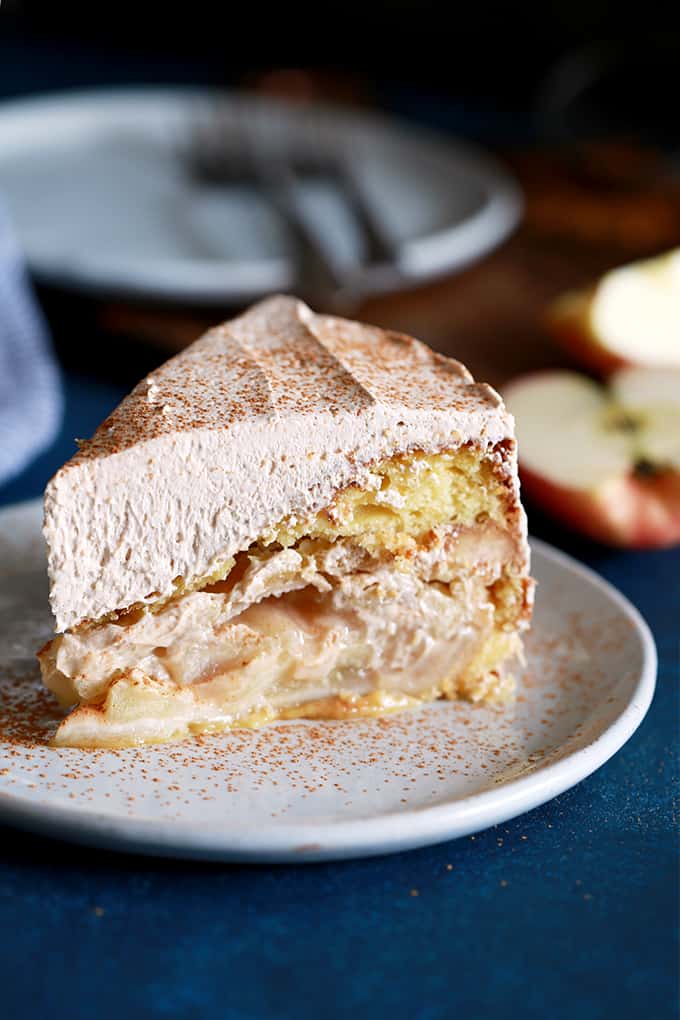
point(323, 624)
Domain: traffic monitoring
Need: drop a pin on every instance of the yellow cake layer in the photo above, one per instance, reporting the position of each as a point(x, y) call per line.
point(409, 496)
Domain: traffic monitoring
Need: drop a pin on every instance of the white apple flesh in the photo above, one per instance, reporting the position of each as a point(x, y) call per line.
point(630, 318)
point(605, 461)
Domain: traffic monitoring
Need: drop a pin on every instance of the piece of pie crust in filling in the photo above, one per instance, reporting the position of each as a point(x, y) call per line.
point(410, 590)
point(408, 586)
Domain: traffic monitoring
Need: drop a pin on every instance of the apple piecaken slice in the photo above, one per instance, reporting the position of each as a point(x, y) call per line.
point(297, 516)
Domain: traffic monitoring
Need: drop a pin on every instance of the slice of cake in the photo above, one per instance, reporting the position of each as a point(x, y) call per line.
point(298, 516)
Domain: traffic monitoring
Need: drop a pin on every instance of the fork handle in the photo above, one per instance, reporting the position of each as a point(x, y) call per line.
point(322, 281)
point(379, 248)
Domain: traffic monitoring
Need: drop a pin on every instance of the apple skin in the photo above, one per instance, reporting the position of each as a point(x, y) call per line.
point(629, 512)
point(568, 322)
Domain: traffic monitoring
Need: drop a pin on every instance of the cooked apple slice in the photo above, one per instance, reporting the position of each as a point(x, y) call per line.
point(630, 317)
point(605, 461)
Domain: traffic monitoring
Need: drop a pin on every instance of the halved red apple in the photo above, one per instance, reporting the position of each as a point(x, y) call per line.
point(630, 317)
point(604, 460)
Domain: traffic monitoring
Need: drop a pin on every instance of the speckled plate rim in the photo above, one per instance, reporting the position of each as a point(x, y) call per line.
point(381, 834)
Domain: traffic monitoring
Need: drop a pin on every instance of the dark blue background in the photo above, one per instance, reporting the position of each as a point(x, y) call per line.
point(568, 912)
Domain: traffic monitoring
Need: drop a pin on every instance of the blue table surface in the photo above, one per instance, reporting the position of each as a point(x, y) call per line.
point(569, 911)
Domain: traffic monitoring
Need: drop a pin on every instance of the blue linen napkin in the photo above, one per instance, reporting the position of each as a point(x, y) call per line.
point(30, 389)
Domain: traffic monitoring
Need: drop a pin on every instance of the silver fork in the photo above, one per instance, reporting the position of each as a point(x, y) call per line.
point(319, 153)
point(225, 146)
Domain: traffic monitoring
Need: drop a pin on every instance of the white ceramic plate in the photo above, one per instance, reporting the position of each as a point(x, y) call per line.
point(313, 791)
point(102, 203)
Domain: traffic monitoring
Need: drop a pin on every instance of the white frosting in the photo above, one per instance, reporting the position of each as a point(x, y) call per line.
point(264, 417)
